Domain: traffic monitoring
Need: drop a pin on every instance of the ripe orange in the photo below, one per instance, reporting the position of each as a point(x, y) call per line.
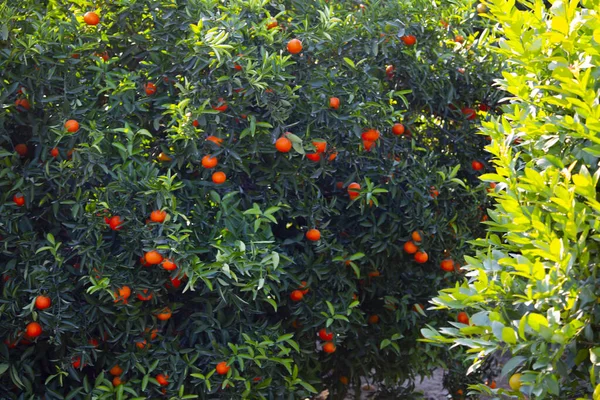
point(368, 144)
point(42, 302)
point(144, 296)
point(469, 113)
point(416, 236)
point(410, 247)
point(303, 287)
point(91, 18)
point(434, 192)
point(153, 257)
point(163, 157)
point(320, 147)
point(463, 318)
point(153, 333)
point(272, 24)
point(72, 126)
point(325, 336)
point(219, 177)
point(54, 152)
point(19, 199)
point(373, 319)
point(93, 342)
point(294, 46)
point(333, 156)
point(313, 235)
point(141, 344)
point(222, 368)
point(344, 380)
point(195, 123)
point(296, 295)
point(374, 274)
point(421, 257)
point(76, 362)
point(409, 40)
point(459, 38)
point(215, 140)
point(209, 161)
point(116, 370)
point(398, 129)
point(237, 67)
point(314, 157)
point(370, 135)
point(115, 223)
point(283, 145)
point(329, 347)
point(117, 381)
point(164, 314)
point(334, 103)
point(21, 149)
point(447, 265)
point(22, 104)
point(122, 294)
point(476, 165)
point(169, 265)
point(150, 88)
point(33, 330)
point(389, 71)
point(492, 385)
point(162, 379)
point(158, 216)
point(221, 105)
point(353, 190)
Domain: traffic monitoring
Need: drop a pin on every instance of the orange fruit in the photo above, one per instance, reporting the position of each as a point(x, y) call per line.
point(303, 287)
point(410, 247)
point(21, 149)
point(164, 314)
point(447, 265)
point(195, 123)
point(325, 336)
point(409, 40)
point(313, 235)
point(215, 140)
point(296, 295)
point(373, 319)
point(421, 257)
point(333, 156)
point(294, 46)
point(115, 223)
point(169, 265)
point(353, 190)
point(434, 192)
point(19, 199)
point(144, 296)
point(54, 152)
point(492, 385)
point(153, 333)
point(123, 293)
point(459, 392)
point(158, 216)
point(150, 88)
point(33, 330)
point(22, 104)
point(469, 113)
point(42, 302)
point(314, 157)
point(416, 236)
point(141, 344)
point(162, 379)
point(219, 177)
point(72, 126)
point(209, 161)
point(329, 347)
point(153, 257)
point(398, 129)
point(463, 318)
point(389, 71)
point(344, 380)
point(459, 38)
point(116, 370)
point(370, 135)
point(272, 24)
point(283, 145)
point(163, 157)
point(76, 362)
point(117, 381)
point(320, 147)
point(334, 103)
point(91, 18)
point(93, 342)
point(237, 67)
point(476, 165)
point(374, 274)
point(221, 105)
point(515, 382)
point(222, 368)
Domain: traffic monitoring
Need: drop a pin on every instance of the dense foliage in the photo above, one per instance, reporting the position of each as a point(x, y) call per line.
point(146, 134)
point(533, 289)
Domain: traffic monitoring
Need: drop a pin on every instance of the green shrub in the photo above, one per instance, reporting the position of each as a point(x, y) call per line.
point(148, 86)
point(533, 287)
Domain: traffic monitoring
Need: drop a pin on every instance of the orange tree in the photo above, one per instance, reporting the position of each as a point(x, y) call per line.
point(533, 290)
point(232, 199)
